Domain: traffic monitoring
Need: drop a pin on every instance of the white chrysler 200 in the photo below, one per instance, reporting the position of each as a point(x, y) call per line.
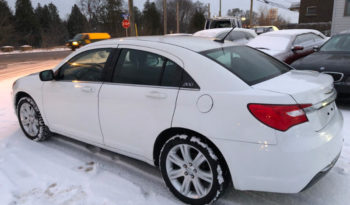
point(208, 114)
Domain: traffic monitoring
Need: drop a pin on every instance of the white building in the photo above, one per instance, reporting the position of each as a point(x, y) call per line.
point(341, 16)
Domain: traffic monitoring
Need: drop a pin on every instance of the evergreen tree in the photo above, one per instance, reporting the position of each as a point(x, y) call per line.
point(151, 19)
point(197, 21)
point(43, 16)
point(111, 17)
point(6, 22)
point(51, 25)
point(77, 22)
point(26, 24)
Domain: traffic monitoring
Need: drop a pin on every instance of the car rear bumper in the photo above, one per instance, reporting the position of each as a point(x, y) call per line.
point(287, 167)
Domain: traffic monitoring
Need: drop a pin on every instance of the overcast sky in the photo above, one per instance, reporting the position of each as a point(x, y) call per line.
point(64, 6)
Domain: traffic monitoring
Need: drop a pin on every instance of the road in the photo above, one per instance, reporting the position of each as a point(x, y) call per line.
point(61, 168)
point(16, 65)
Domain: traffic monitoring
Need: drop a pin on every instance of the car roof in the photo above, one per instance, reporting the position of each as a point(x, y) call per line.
point(290, 32)
point(188, 42)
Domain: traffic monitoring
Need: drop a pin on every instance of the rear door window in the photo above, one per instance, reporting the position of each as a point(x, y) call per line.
point(248, 64)
point(146, 68)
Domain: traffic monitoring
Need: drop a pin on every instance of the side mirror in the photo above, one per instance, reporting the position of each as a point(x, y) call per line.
point(316, 48)
point(46, 75)
point(297, 48)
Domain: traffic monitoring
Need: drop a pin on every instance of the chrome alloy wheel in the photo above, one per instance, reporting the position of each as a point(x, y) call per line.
point(189, 171)
point(29, 119)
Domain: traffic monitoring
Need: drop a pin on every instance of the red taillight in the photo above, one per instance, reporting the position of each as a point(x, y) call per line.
point(279, 117)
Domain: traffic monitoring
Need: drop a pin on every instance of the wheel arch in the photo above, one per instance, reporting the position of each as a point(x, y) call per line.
point(170, 132)
point(20, 95)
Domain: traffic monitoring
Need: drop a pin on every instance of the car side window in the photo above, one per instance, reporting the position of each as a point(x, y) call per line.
point(317, 37)
point(304, 39)
point(139, 67)
point(145, 68)
point(86, 66)
point(172, 75)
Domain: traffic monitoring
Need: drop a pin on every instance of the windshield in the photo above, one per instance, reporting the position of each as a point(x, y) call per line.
point(337, 43)
point(250, 65)
point(220, 24)
point(277, 43)
point(78, 37)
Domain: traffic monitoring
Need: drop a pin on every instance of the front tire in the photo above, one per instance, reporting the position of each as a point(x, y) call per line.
point(31, 121)
point(191, 170)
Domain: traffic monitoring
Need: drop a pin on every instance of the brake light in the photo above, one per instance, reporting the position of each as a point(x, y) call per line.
point(279, 117)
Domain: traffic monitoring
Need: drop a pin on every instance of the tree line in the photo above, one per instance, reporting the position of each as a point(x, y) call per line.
point(42, 26)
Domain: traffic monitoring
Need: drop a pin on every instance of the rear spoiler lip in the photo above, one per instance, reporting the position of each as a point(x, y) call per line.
point(323, 103)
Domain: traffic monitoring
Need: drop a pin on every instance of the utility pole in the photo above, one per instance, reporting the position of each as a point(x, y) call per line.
point(131, 17)
point(251, 14)
point(165, 17)
point(208, 10)
point(177, 18)
point(220, 9)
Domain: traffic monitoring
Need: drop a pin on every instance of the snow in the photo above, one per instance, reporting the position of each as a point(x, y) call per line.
point(64, 171)
point(276, 43)
point(35, 51)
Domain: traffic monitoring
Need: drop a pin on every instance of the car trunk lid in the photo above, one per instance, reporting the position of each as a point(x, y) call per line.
point(307, 87)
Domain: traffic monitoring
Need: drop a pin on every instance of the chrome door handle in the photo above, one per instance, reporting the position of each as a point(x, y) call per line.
point(87, 89)
point(156, 95)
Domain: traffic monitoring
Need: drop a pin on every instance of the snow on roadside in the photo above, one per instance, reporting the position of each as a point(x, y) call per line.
point(39, 50)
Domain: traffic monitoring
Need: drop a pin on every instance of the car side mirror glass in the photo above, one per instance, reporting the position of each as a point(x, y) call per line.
point(46, 75)
point(316, 48)
point(297, 48)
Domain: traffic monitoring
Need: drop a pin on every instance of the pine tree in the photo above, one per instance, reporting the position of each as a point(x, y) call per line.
point(111, 17)
point(77, 22)
point(6, 22)
point(151, 19)
point(197, 21)
point(26, 24)
point(51, 25)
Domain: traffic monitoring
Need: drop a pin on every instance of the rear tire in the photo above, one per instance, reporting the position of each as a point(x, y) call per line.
point(31, 121)
point(191, 170)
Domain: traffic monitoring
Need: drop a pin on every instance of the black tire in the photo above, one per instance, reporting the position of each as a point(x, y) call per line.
point(43, 131)
point(218, 180)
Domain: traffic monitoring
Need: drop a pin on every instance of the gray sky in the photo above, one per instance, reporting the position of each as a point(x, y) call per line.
point(64, 6)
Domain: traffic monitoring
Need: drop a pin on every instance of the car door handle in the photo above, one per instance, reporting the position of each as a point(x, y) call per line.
point(87, 89)
point(156, 95)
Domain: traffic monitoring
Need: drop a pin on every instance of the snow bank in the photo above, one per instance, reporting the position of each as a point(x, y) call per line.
point(35, 51)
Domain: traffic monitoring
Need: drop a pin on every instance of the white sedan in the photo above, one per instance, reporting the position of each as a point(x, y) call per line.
point(237, 35)
point(202, 111)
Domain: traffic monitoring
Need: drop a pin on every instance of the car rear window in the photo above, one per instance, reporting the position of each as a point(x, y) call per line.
point(250, 65)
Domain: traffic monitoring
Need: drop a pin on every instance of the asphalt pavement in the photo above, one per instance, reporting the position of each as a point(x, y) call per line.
point(6, 59)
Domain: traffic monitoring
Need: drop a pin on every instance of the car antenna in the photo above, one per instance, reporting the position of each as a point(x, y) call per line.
point(223, 39)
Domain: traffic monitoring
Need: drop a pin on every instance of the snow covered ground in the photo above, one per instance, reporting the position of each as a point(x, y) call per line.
point(38, 50)
point(64, 171)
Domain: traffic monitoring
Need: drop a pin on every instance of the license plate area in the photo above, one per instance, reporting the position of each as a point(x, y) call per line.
point(325, 114)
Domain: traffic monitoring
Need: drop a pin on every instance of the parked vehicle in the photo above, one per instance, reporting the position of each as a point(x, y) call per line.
point(238, 35)
point(82, 39)
point(332, 58)
point(288, 45)
point(223, 22)
point(264, 29)
point(203, 111)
